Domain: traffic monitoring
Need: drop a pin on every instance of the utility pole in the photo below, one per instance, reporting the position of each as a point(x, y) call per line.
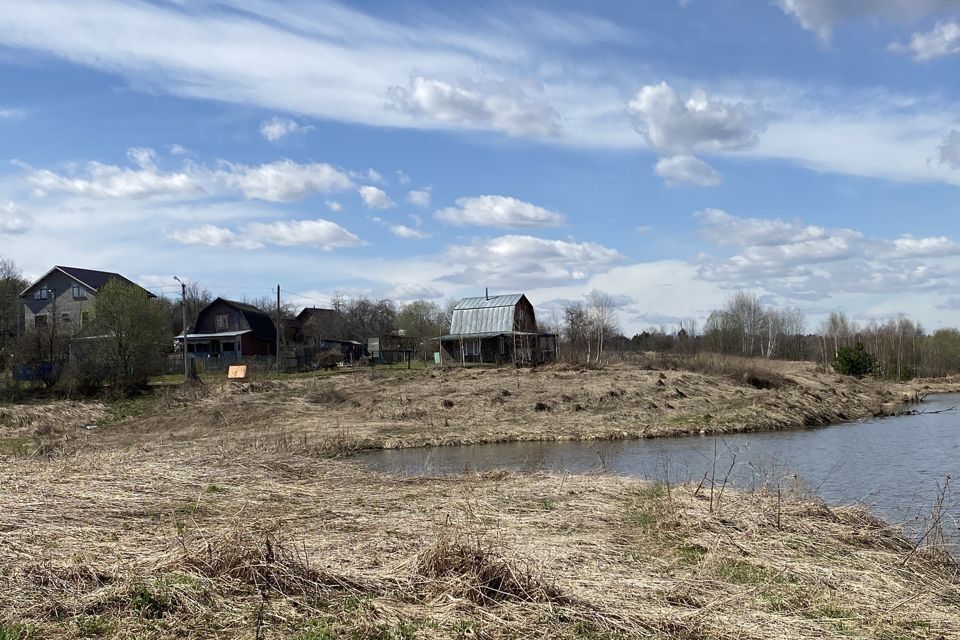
point(278, 330)
point(183, 303)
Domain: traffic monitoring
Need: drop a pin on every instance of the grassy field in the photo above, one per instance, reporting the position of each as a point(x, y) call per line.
point(275, 542)
point(396, 407)
point(233, 510)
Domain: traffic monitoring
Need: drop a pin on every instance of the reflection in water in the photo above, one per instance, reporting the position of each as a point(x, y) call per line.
point(893, 465)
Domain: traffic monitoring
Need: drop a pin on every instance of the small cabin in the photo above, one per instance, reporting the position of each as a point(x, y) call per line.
point(496, 330)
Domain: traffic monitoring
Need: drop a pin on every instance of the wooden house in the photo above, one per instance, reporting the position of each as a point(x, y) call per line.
point(231, 330)
point(496, 329)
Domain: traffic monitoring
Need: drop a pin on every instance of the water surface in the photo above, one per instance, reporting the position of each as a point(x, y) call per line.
point(895, 466)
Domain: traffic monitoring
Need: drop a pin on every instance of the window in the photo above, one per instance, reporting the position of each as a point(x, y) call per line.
point(40, 321)
point(79, 293)
point(223, 322)
point(41, 294)
point(65, 317)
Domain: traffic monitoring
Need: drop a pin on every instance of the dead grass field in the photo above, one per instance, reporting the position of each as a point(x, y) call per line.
point(212, 543)
point(388, 409)
point(225, 511)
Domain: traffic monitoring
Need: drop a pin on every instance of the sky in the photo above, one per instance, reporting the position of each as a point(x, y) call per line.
point(667, 152)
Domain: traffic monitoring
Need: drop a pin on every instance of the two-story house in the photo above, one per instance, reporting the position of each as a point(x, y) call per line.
point(231, 330)
point(63, 297)
point(496, 329)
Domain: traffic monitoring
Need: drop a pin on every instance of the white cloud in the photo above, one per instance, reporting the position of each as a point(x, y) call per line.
point(908, 246)
point(10, 114)
point(408, 233)
point(950, 150)
point(143, 157)
point(517, 261)
point(374, 176)
point(13, 220)
point(375, 198)
point(178, 150)
point(214, 236)
point(281, 181)
point(324, 60)
point(333, 205)
point(284, 180)
point(942, 40)
point(322, 234)
point(406, 291)
point(318, 233)
point(499, 211)
point(668, 122)
point(111, 181)
point(419, 197)
point(799, 261)
point(319, 59)
point(403, 178)
point(726, 229)
point(500, 106)
point(821, 16)
point(678, 170)
point(276, 128)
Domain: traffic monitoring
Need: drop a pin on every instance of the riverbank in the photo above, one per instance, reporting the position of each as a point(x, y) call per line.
point(243, 541)
point(449, 406)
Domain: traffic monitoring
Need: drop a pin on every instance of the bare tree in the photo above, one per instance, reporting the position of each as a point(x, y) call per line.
point(576, 332)
point(603, 316)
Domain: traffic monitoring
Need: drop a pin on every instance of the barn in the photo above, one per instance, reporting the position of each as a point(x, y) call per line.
point(496, 330)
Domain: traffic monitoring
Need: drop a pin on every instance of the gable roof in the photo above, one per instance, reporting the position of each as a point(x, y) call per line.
point(493, 314)
point(261, 324)
point(90, 278)
point(315, 312)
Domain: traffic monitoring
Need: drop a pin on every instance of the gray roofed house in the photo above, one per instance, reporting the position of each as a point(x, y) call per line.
point(63, 297)
point(496, 329)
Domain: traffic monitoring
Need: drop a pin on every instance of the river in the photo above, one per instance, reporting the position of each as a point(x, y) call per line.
point(895, 466)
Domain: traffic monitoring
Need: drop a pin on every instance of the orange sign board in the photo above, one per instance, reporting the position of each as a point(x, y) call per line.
point(237, 372)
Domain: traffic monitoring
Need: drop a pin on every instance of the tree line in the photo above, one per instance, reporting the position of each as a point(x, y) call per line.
point(589, 331)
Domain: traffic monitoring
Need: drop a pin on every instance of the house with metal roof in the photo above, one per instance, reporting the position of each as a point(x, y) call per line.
point(228, 330)
point(63, 297)
point(496, 329)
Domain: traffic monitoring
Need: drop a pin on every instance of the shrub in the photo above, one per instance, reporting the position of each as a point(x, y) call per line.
point(853, 361)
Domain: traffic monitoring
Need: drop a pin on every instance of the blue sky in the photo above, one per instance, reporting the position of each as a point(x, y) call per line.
point(667, 152)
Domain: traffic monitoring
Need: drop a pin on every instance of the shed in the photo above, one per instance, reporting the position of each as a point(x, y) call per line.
point(496, 329)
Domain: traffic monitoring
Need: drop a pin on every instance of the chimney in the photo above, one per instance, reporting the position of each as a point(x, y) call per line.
point(486, 293)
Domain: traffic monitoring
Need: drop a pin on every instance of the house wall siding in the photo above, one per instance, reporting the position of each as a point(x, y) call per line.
point(207, 322)
point(63, 304)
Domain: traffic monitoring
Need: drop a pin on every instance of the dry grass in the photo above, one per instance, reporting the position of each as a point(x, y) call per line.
point(340, 414)
point(202, 543)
